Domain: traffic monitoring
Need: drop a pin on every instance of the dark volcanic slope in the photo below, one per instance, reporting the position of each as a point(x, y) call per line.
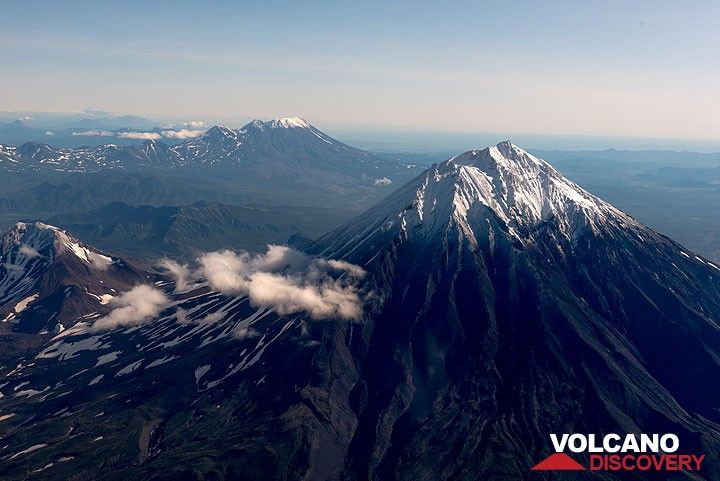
point(49, 279)
point(504, 303)
point(518, 305)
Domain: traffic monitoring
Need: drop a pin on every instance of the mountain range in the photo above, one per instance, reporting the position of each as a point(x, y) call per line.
point(287, 148)
point(90, 126)
point(442, 334)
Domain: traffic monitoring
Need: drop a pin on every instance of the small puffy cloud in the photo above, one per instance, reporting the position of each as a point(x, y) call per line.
point(181, 316)
point(180, 272)
point(93, 133)
point(224, 271)
point(140, 135)
point(182, 134)
point(212, 318)
point(352, 269)
point(288, 294)
point(28, 251)
point(49, 133)
point(245, 333)
point(139, 305)
point(287, 281)
point(383, 181)
point(229, 272)
point(194, 124)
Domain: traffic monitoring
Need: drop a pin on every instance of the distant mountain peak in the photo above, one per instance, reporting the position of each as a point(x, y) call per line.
point(280, 123)
point(288, 148)
point(92, 111)
point(288, 123)
point(219, 130)
point(38, 237)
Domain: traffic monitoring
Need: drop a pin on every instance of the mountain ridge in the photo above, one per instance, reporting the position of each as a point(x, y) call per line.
point(49, 279)
point(285, 147)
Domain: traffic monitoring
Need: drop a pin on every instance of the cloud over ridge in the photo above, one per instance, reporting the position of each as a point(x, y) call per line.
point(140, 135)
point(140, 304)
point(282, 278)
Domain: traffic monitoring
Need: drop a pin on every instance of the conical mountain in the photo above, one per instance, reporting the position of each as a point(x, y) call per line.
point(513, 304)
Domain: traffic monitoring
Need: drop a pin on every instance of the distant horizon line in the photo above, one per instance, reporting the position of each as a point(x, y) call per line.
point(625, 142)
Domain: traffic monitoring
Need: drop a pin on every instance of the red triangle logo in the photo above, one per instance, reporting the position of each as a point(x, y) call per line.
point(558, 462)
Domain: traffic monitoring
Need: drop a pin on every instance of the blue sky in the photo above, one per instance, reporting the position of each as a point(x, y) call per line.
point(613, 68)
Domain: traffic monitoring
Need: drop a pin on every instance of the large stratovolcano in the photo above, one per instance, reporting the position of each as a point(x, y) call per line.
point(514, 304)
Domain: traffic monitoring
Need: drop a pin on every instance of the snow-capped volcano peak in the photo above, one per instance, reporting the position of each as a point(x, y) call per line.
point(483, 191)
point(219, 131)
point(280, 123)
point(33, 240)
point(517, 186)
point(288, 123)
point(47, 276)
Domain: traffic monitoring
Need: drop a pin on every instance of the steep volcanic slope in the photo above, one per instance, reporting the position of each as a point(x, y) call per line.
point(209, 386)
point(503, 303)
point(48, 279)
point(515, 305)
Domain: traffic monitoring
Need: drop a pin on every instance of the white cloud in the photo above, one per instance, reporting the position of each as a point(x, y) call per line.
point(245, 333)
point(168, 134)
point(288, 281)
point(194, 124)
point(28, 251)
point(182, 134)
point(213, 317)
point(287, 295)
point(383, 181)
point(49, 133)
point(352, 269)
point(181, 316)
point(140, 135)
point(282, 278)
point(180, 272)
point(140, 304)
point(94, 133)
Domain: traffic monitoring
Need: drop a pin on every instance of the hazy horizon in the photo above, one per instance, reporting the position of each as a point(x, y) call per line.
point(404, 139)
point(620, 69)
